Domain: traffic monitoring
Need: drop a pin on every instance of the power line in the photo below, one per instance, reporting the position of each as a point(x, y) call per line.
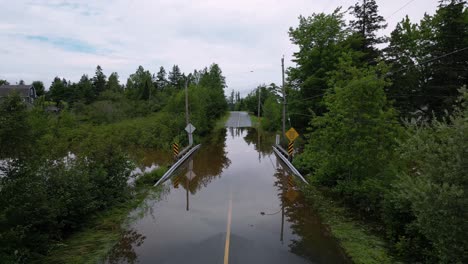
point(399, 9)
point(430, 60)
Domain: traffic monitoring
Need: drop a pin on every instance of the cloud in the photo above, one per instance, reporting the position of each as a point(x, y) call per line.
point(68, 44)
point(68, 38)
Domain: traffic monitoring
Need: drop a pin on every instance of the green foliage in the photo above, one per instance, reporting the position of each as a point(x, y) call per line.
point(139, 85)
point(430, 191)
point(428, 61)
point(357, 240)
point(150, 178)
point(272, 114)
point(43, 201)
point(39, 86)
point(14, 129)
point(351, 144)
point(320, 39)
point(368, 22)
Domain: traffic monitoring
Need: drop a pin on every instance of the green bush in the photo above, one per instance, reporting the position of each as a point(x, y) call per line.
point(428, 200)
point(150, 177)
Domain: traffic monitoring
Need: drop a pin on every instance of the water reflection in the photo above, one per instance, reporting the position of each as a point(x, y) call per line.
point(124, 250)
point(211, 160)
point(312, 240)
point(261, 140)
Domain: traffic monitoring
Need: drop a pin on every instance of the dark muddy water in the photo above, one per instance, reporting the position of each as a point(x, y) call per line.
point(232, 203)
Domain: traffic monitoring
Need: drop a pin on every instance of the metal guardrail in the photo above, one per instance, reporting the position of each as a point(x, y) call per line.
point(177, 164)
point(277, 150)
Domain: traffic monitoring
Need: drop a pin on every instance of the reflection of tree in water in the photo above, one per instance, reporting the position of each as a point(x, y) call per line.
point(124, 251)
point(313, 241)
point(209, 163)
point(262, 141)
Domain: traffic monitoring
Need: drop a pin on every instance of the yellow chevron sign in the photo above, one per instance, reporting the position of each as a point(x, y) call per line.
point(175, 148)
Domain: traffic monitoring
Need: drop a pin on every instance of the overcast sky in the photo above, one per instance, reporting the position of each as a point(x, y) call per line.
point(42, 39)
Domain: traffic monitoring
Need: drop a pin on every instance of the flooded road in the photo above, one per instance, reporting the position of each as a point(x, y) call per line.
point(232, 203)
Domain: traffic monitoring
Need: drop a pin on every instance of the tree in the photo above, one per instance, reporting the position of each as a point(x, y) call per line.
point(99, 81)
point(351, 144)
point(366, 25)
point(404, 54)
point(113, 84)
point(21, 82)
point(319, 39)
point(58, 90)
point(39, 86)
point(175, 77)
point(14, 128)
point(428, 61)
point(425, 209)
point(448, 73)
point(214, 80)
point(161, 80)
point(84, 90)
point(4, 82)
point(272, 113)
point(140, 85)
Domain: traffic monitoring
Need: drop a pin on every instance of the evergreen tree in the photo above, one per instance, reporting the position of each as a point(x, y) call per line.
point(448, 72)
point(367, 23)
point(59, 90)
point(175, 77)
point(161, 80)
point(85, 90)
point(113, 84)
point(140, 85)
point(99, 81)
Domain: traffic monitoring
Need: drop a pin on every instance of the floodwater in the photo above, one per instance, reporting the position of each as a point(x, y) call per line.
point(233, 202)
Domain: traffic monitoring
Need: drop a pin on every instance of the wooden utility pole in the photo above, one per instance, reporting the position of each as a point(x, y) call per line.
point(284, 101)
point(259, 91)
point(190, 136)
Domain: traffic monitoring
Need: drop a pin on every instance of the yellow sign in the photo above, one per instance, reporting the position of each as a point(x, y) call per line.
point(292, 195)
point(175, 148)
point(291, 148)
point(292, 134)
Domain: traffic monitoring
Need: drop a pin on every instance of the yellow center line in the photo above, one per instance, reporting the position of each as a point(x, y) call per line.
point(228, 232)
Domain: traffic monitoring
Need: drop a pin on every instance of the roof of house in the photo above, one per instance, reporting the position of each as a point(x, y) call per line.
point(22, 89)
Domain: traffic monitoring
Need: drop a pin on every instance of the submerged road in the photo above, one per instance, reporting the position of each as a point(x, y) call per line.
point(239, 119)
point(232, 203)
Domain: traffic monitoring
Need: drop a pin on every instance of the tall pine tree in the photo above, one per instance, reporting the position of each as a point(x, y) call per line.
point(366, 25)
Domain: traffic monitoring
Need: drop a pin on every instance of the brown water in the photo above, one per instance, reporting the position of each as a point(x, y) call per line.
point(232, 203)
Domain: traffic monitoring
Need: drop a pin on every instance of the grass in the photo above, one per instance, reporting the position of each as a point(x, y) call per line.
point(221, 123)
point(361, 246)
point(255, 120)
point(93, 243)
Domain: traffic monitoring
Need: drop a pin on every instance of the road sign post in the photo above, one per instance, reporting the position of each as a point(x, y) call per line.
point(190, 129)
point(291, 149)
point(175, 149)
point(291, 134)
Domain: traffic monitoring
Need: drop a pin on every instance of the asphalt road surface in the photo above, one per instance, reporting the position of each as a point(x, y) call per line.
point(239, 119)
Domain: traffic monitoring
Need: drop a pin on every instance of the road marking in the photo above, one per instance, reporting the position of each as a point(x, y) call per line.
point(238, 119)
point(228, 232)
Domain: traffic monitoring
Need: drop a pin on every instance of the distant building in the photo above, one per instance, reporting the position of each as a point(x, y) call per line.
point(27, 92)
